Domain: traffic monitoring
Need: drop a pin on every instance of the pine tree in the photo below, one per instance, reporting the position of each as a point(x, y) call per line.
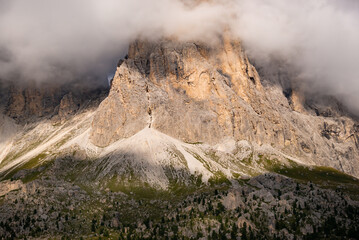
point(244, 231)
point(234, 231)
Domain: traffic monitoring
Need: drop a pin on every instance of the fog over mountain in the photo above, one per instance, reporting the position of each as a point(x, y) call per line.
point(179, 119)
point(48, 40)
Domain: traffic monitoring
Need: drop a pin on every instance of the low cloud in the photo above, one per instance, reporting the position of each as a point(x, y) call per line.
point(56, 40)
point(320, 39)
point(52, 40)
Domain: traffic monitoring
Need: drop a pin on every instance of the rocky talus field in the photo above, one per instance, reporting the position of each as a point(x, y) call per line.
point(190, 141)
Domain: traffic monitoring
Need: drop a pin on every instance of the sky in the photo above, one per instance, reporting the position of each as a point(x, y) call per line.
point(61, 40)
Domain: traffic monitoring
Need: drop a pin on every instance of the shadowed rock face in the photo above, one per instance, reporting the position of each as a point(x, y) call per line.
point(200, 93)
point(28, 102)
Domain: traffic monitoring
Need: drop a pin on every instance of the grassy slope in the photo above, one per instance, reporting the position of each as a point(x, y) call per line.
point(325, 177)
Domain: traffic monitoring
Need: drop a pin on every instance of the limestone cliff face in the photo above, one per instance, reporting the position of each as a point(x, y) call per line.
point(200, 93)
point(28, 102)
point(186, 90)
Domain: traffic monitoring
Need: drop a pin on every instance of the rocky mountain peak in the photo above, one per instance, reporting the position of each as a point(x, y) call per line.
point(189, 85)
point(188, 140)
point(197, 92)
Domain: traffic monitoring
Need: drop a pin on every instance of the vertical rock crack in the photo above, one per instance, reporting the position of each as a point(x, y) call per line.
point(149, 110)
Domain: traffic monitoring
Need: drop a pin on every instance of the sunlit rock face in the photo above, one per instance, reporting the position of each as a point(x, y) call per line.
point(187, 90)
point(205, 93)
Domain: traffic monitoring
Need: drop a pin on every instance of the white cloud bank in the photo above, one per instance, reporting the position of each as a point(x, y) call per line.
point(63, 39)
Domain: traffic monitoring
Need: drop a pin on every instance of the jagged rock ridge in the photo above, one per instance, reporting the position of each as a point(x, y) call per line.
point(121, 171)
point(31, 101)
point(200, 93)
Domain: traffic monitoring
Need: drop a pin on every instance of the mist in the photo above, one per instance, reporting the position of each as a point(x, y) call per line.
point(319, 39)
point(52, 40)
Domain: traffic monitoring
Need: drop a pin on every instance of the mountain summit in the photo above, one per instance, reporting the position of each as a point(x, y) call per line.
point(191, 142)
point(206, 93)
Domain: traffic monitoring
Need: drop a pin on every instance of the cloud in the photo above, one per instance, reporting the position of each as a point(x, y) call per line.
point(49, 40)
point(52, 39)
point(319, 38)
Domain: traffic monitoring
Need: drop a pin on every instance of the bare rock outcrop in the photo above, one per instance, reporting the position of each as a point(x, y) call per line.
point(30, 101)
point(186, 90)
point(8, 186)
point(201, 93)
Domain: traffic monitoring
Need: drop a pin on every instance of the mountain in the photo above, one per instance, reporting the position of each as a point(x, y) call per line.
point(190, 142)
point(199, 93)
point(27, 102)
